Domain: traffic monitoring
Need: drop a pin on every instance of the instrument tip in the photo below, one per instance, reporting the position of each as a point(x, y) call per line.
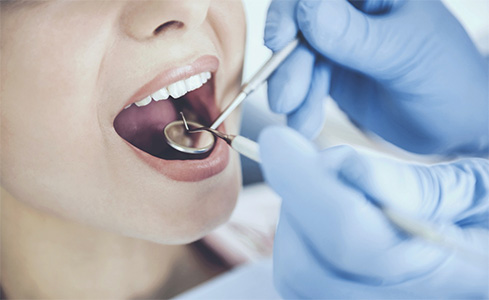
point(184, 121)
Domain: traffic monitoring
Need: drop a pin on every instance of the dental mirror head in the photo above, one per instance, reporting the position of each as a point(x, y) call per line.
point(177, 135)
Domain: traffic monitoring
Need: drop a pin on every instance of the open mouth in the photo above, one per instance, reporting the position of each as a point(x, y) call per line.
point(142, 122)
point(191, 89)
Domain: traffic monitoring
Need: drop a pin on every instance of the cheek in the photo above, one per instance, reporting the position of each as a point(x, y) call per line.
point(48, 87)
point(48, 161)
point(50, 132)
point(229, 22)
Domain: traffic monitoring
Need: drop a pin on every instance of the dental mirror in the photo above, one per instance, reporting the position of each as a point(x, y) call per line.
point(178, 137)
point(206, 139)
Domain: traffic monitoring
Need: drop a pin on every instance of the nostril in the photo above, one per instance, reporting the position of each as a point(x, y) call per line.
point(168, 25)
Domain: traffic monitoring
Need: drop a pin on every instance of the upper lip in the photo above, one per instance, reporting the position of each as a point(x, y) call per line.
point(204, 63)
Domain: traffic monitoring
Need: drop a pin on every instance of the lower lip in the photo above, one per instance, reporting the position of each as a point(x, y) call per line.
point(189, 170)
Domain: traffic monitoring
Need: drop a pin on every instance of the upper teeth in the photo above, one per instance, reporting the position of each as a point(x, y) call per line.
point(177, 89)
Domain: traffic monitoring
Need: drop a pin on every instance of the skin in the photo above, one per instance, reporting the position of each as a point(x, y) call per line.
point(80, 214)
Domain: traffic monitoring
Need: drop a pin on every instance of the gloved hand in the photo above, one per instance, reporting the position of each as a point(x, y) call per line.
point(411, 75)
point(332, 240)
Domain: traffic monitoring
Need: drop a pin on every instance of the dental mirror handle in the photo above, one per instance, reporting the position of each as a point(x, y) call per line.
point(245, 147)
point(265, 71)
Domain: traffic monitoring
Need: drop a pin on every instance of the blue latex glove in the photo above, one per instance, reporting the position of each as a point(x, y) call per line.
point(411, 75)
point(332, 241)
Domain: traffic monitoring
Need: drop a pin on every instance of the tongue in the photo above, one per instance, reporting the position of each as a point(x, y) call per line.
point(143, 126)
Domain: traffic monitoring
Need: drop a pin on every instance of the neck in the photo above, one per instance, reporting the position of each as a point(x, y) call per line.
point(47, 257)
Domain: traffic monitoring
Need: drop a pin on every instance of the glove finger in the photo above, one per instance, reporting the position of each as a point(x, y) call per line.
point(280, 27)
point(376, 7)
point(364, 100)
point(351, 38)
point(405, 187)
point(279, 145)
point(444, 192)
point(301, 271)
point(309, 118)
point(293, 261)
point(369, 105)
point(290, 83)
point(387, 254)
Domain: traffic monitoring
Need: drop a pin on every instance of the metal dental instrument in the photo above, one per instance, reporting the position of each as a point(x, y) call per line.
point(174, 135)
point(260, 76)
point(265, 71)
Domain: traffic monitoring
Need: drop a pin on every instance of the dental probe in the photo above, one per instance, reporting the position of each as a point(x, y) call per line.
point(430, 234)
point(260, 76)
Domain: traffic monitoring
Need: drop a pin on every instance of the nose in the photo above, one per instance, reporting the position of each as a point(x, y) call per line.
point(143, 20)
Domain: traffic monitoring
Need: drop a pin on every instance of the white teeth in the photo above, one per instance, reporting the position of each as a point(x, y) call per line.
point(160, 95)
point(193, 83)
point(177, 89)
point(144, 102)
point(203, 77)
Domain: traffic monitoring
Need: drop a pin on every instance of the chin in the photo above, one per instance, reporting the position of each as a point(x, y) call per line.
point(199, 208)
point(215, 209)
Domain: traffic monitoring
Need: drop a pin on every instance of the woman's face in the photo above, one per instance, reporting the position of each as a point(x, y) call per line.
point(68, 146)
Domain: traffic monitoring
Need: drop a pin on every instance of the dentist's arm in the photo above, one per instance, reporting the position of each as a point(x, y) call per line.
point(332, 241)
point(406, 70)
